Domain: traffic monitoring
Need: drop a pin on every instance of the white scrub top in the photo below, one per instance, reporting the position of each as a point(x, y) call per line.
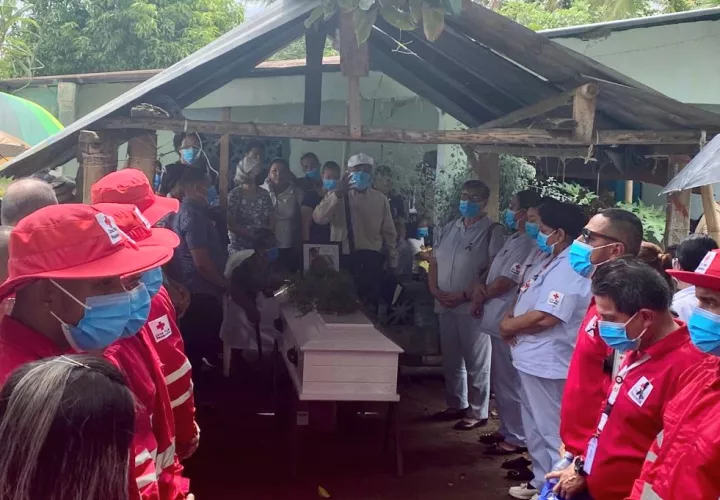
point(508, 263)
point(553, 287)
point(684, 301)
point(462, 253)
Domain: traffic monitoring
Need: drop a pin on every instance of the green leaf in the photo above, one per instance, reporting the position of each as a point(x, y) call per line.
point(433, 21)
point(416, 11)
point(315, 15)
point(366, 4)
point(363, 22)
point(401, 20)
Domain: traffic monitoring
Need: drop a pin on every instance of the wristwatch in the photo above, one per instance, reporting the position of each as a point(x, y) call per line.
point(580, 466)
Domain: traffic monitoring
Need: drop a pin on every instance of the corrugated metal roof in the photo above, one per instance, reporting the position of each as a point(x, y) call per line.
point(483, 66)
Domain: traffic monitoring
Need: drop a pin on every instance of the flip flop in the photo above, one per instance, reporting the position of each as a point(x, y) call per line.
point(465, 425)
point(491, 438)
point(523, 474)
point(516, 463)
point(498, 451)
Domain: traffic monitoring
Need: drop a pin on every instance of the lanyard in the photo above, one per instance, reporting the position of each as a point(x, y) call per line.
point(619, 379)
point(530, 282)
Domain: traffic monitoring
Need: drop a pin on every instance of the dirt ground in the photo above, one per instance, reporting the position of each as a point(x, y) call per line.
point(244, 450)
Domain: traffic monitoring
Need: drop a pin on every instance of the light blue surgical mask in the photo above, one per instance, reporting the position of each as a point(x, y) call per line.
point(704, 329)
point(469, 209)
point(510, 221)
point(532, 229)
point(542, 241)
point(104, 321)
point(330, 184)
point(273, 254)
point(360, 180)
point(313, 174)
point(580, 255)
point(153, 280)
point(139, 310)
point(615, 335)
point(188, 155)
point(423, 232)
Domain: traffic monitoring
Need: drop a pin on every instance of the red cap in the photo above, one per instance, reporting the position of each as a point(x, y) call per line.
point(75, 242)
point(131, 186)
point(707, 274)
point(132, 222)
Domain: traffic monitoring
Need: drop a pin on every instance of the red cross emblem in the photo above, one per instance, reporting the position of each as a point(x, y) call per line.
point(556, 296)
point(161, 326)
point(108, 221)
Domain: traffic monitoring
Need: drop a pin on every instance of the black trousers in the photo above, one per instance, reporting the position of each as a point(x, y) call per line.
point(372, 283)
point(200, 328)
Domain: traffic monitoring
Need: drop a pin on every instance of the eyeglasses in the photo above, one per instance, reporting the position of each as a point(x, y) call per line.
point(476, 198)
point(588, 235)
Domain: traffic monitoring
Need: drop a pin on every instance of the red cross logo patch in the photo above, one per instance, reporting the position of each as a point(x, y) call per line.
point(107, 223)
point(160, 328)
point(555, 298)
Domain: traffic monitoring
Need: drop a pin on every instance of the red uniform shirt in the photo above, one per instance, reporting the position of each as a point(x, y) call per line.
point(636, 416)
point(19, 345)
point(176, 369)
point(684, 460)
point(586, 388)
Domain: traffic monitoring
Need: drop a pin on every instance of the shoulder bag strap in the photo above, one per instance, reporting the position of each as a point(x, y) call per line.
point(349, 225)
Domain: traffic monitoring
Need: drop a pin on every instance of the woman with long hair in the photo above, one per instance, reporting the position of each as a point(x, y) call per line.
point(66, 425)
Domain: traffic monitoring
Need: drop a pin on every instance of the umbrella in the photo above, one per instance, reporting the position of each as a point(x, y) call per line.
point(702, 170)
point(10, 147)
point(26, 120)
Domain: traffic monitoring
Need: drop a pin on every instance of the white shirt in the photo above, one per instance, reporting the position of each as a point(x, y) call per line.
point(508, 263)
point(287, 206)
point(551, 286)
point(684, 301)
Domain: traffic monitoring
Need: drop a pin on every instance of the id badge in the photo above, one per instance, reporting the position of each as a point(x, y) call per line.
point(590, 455)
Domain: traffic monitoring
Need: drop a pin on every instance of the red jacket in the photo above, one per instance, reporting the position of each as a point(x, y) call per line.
point(636, 416)
point(586, 388)
point(684, 460)
point(176, 368)
point(19, 345)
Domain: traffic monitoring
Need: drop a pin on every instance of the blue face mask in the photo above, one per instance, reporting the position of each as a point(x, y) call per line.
point(212, 196)
point(579, 257)
point(423, 232)
point(510, 221)
point(313, 174)
point(105, 321)
point(615, 335)
point(188, 155)
point(532, 229)
point(469, 208)
point(153, 280)
point(330, 184)
point(704, 329)
point(139, 310)
point(273, 254)
point(542, 241)
point(360, 180)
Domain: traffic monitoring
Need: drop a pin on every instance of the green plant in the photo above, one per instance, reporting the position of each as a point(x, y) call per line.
point(516, 174)
point(17, 40)
point(328, 292)
point(652, 218)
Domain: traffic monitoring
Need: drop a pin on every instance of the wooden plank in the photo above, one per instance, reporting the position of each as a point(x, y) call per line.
point(584, 103)
point(314, 47)
point(97, 156)
point(711, 218)
point(537, 109)
point(142, 153)
point(530, 151)
point(531, 137)
point(354, 109)
point(224, 181)
point(677, 220)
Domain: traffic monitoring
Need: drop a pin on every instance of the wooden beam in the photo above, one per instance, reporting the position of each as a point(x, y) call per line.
point(629, 191)
point(97, 156)
point(528, 112)
point(354, 62)
point(677, 210)
point(530, 151)
point(314, 48)
point(584, 103)
point(354, 109)
point(142, 153)
point(224, 161)
point(529, 137)
point(711, 218)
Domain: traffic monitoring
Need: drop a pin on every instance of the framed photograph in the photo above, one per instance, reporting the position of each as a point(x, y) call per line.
point(321, 257)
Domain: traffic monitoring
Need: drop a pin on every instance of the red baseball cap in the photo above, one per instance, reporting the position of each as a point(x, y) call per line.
point(132, 222)
point(707, 274)
point(131, 186)
point(75, 241)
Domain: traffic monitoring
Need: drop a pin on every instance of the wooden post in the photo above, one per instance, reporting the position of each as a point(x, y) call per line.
point(314, 48)
point(629, 191)
point(354, 62)
point(584, 103)
point(677, 223)
point(224, 161)
point(711, 218)
point(97, 157)
point(142, 153)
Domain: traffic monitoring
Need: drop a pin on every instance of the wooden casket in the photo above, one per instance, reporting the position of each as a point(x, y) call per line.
point(338, 357)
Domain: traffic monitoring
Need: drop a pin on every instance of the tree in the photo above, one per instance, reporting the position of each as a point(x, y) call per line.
point(539, 16)
point(85, 36)
point(296, 50)
point(16, 51)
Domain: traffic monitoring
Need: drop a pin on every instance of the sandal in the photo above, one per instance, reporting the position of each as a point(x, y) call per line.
point(516, 463)
point(523, 474)
point(468, 425)
point(497, 450)
point(491, 438)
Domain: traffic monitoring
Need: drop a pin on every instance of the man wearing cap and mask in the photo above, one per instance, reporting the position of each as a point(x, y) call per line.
point(684, 459)
point(75, 278)
point(131, 187)
point(370, 229)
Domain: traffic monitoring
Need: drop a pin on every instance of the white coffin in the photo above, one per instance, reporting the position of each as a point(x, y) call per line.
point(338, 358)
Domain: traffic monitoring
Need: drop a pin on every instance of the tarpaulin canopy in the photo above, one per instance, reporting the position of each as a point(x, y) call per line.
point(702, 170)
